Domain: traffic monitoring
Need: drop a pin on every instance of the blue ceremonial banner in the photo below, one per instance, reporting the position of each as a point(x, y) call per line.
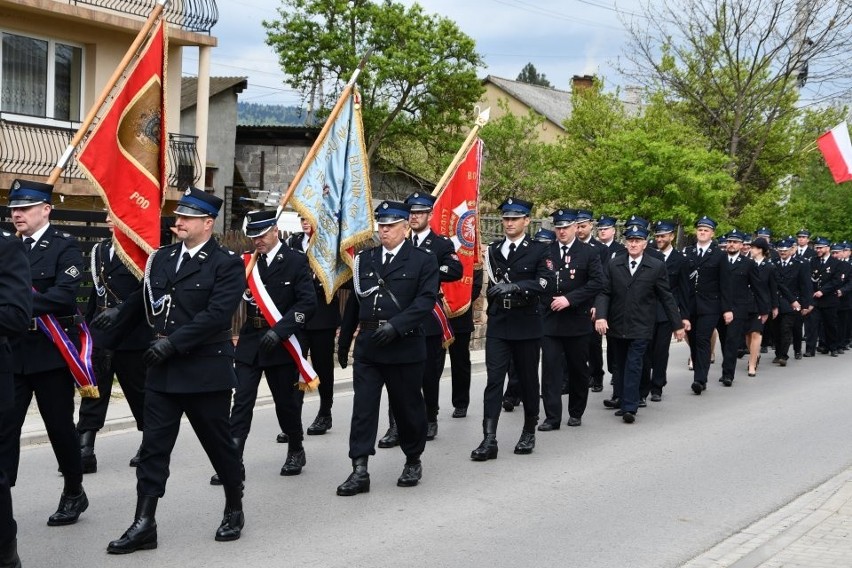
point(334, 196)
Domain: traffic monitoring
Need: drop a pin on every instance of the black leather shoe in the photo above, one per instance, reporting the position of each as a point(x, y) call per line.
point(294, 463)
point(320, 426)
point(776, 360)
point(358, 481)
point(87, 451)
point(390, 439)
point(142, 534)
point(460, 412)
point(9, 555)
point(697, 387)
point(834, 353)
point(510, 402)
point(69, 510)
point(574, 421)
point(411, 474)
point(547, 426)
point(431, 430)
point(612, 402)
point(597, 388)
point(231, 526)
point(214, 479)
point(629, 417)
point(656, 397)
point(727, 381)
point(809, 353)
point(782, 363)
point(797, 355)
point(134, 461)
point(525, 444)
point(642, 403)
point(282, 438)
point(764, 349)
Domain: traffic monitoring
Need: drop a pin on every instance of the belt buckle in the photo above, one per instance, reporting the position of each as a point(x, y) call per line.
point(33, 325)
point(507, 303)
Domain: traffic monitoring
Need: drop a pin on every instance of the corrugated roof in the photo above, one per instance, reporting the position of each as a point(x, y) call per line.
point(189, 88)
point(554, 104)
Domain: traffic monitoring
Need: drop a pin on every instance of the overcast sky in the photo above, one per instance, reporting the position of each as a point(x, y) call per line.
point(561, 38)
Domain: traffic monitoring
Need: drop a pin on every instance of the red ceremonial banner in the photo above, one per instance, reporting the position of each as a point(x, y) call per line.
point(125, 154)
point(456, 215)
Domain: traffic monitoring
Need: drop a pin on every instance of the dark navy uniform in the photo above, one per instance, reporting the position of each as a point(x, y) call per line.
point(16, 306)
point(317, 339)
point(826, 277)
point(114, 355)
point(567, 332)
point(794, 286)
point(460, 366)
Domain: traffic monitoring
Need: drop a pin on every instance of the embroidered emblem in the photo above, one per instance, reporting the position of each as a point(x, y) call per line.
point(444, 268)
point(72, 272)
point(543, 282)
point(300, 317)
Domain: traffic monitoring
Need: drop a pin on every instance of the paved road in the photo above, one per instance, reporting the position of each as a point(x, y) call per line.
point(688, 474)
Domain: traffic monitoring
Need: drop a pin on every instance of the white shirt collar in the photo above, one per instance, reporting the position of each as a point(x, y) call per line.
point(39, 234)
point(421, 236)
point(192, 251)
point(568, 244)
point(271, 254)
point(394, 251)
point(733, 258)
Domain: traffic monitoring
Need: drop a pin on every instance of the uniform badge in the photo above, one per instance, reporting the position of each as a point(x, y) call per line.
point(300, 317)
point(188, 191)
point(444, 268)
point(543, 282)
point(549, 264)
point(72, 272)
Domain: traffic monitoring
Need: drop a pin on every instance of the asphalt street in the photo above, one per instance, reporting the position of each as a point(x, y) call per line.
point(690, 472)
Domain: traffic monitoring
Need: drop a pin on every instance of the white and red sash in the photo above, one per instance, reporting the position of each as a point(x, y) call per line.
point(447, 335)
point(308, 378)
point(79, 362)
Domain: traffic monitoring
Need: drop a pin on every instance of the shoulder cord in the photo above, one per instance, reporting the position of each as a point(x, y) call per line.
point(356, 281)
point(93, 264)
point(157, 306)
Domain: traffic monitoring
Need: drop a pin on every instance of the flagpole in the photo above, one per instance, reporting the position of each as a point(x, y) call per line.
point(113, 80)
point(481, 120)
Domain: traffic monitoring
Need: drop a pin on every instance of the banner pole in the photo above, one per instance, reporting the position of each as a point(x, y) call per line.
point(481, 120)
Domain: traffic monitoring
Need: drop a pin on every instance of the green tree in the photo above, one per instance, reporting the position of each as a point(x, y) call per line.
point(417, 87)
point(530, 75)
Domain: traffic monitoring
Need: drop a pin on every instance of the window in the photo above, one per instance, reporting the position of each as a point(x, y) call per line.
point(40, 78)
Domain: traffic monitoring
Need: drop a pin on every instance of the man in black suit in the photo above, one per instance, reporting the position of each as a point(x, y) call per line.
point(460, 366)
point(449, 270)
point(285, 276)
point(113, 355)
point(708, 297)
point(190, 293)
point(844, 294)
point(793, 277)
point(585, 226)
point(16, 307)
point(626, 310)
point(317, 337)
point(804, 252)
point(655, 367)
point(803, 249)
point(744, 279)
point(568, 323)
point(56, 267)
point(519, 272)
point(826, 278)
point(396, 287)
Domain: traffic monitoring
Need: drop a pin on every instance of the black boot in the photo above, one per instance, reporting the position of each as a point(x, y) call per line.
point(134, 461)
point(142, 534)
point(391, 437)
point(241, 446)
point(411, 473)
point(71, 504)
point(487, 450)
point(431, 423)
point(527, 441)
point(234, 520)
point(321, 425)
point(295, 458)
point(9, 555)
point(87, 451)
point(358, 481)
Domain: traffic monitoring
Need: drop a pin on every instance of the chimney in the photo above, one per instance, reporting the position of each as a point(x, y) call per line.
point(582, 82)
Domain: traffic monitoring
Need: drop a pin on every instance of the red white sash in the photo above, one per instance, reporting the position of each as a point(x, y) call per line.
point(79, 362)
point(447, 335)
point(308, 378)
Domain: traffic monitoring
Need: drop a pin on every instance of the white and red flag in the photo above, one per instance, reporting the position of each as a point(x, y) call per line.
point(836, 148)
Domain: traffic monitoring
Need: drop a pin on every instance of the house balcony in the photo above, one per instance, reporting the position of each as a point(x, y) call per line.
point(190, 15)
point(32, 150)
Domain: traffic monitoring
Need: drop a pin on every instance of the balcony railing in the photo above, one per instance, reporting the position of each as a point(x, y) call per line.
point(33, 150)
point(191, 15)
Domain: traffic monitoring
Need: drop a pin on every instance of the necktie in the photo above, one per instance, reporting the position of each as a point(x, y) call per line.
point(632, 266)
point(512, 248)
point(263, 264)
point(29, 242)
point(183, 260)
point(701, 253)
point(415, 240)
point(388, 258)
point(565, 254)
point(731, 260)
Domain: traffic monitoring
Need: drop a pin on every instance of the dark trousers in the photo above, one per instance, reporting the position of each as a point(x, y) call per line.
point(460, 367)
point(128, 367)
point(283, 383)
point(558, 356)
point(628, 355)
point(320, 344)
point(782, 330)
point(733, 338)
point(8, 527)
point(827, 324)
point(405, 397)
point(813, 330)
point(54, 394)
point(433, 366)
point(513, 384)
point(844, 320)
point(797, 328)
point(699, 344)
point(208, 415)
point(656, 360)
point(524, 355)
point(596, 369)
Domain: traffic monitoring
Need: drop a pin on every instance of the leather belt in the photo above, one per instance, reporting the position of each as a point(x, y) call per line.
point(372, 324)
point(218, 338)
point(258, 322)
point(64, 321)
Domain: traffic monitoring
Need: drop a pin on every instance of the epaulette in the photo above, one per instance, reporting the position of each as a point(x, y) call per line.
point(227, 250)
point(62, 234)
point(422, 250)
point(6, 233)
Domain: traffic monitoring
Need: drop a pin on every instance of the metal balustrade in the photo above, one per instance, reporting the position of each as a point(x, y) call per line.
point(191, 15)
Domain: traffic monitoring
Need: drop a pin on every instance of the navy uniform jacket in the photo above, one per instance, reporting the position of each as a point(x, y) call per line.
point(449, 270)
point(197, 320)
point(769, 284)
point(807, 255)
point(826, 278)
point(16, 307)
point(629, 303)
point(518, 316)
point(326, 315)
point(747, 288)
point(603, 252)
point(117, 284)
point(579, 280)
point(288, 281)
point(794, 285)
point(845, 270)
point(464, 322)
point(677, 269)
point(56, 268)
point(412, 280)
point(709, 292)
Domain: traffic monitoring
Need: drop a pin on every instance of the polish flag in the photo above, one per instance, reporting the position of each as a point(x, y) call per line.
point(836, 148)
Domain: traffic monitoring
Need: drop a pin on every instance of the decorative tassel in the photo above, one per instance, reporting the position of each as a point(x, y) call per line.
point(309, 387)
point(90, 391)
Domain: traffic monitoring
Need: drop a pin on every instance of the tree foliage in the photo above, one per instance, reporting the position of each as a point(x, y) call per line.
point(529, 74)
point(417, 87)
